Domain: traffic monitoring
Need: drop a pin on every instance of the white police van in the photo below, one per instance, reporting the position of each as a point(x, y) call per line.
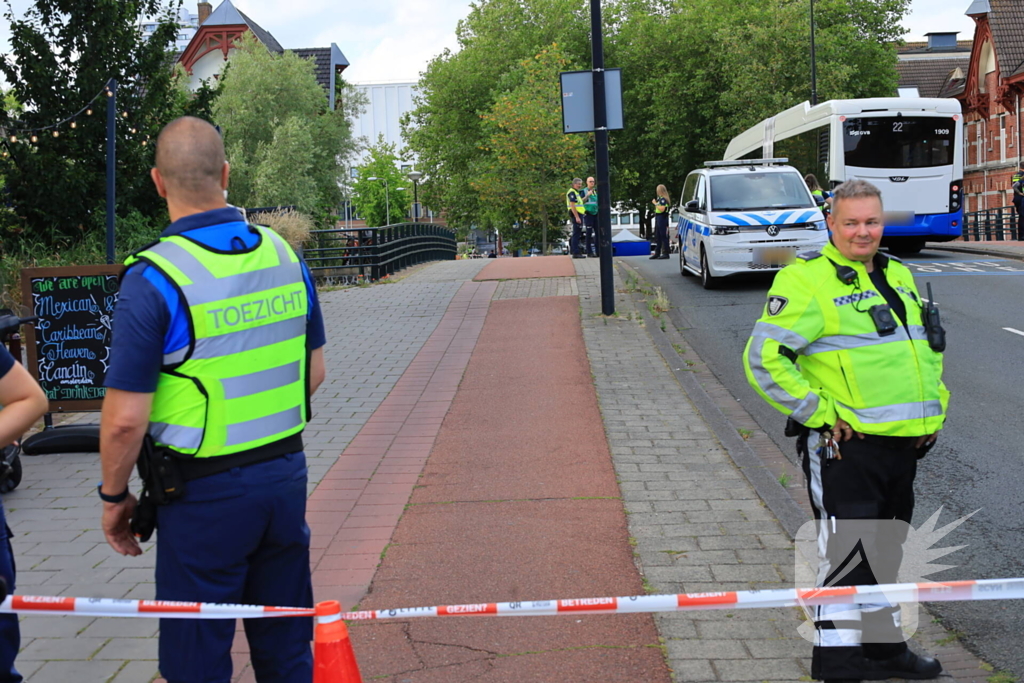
point(745, 216)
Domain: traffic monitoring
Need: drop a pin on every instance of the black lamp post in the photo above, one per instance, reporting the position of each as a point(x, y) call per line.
point(415, 176)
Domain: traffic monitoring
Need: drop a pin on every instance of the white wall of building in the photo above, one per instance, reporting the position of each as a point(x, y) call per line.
point(387, 102)
point(208, 66)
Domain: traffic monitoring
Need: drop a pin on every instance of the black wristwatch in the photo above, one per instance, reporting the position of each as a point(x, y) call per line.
point(120, 498)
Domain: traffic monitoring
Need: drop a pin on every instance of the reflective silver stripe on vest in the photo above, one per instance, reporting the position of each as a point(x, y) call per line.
point(247, 340)
point(175, 357)
point(265, 380)
point(207, 288)
point(802, 409)
point(176, 435)
point(787, 338)
point(263, 427)
point(845, 342)
point(898, 412)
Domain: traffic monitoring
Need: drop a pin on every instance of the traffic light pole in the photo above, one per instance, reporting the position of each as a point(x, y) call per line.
point(604, 205)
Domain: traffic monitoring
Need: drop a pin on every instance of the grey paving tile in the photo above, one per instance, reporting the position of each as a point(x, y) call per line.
point(688, 498)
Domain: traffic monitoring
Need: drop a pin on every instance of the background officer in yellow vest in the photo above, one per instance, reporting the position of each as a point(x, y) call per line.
point(574, 204)
point(217, 347)
point(847, 348)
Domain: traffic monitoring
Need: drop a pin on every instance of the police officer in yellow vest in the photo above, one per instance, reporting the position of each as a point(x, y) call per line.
point(217, 347)
point(847, 348)
point(574, 204)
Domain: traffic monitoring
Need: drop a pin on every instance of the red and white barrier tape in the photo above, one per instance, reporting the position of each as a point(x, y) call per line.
point(162, 609)
point(986, 589)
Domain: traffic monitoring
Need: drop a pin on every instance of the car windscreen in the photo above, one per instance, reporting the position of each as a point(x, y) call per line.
point(759, 190)
point(905, 142)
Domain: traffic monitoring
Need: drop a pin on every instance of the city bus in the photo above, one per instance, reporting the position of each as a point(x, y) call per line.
point(911, 148)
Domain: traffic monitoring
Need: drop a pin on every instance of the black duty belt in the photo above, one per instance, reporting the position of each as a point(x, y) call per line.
point(197, 468)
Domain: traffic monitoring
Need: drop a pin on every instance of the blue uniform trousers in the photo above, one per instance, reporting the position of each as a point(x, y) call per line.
point(10, 635)
point(237, 537)
point(576, 236)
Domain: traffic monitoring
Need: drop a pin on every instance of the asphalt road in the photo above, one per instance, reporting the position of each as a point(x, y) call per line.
point(976, 466)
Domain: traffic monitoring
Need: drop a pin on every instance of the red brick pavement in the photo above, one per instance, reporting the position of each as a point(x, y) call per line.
point(353, 512)
point(523, 268)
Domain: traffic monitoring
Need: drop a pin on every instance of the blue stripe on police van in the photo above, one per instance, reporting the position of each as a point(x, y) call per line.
point(784, 218)
point(757, 219)
point(735, 219)
point(804, 218)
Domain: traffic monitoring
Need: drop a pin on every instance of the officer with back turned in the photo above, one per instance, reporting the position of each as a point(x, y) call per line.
point(849, 350)
point(216, 351)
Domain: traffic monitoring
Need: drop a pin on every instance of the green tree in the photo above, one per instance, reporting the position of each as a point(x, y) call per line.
point(695, 73)
point(284, 144)
point(445, 129)
point(62, 54)
point(530, 161)
point(390, 193)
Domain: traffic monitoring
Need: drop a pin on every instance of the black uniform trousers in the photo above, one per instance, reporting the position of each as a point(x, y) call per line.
point(870, 487)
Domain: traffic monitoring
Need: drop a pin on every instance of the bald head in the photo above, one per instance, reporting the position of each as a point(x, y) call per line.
point(190, 161)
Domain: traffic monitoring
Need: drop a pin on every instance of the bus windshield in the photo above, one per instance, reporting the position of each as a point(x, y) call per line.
point(759, 190)
point(905, 142)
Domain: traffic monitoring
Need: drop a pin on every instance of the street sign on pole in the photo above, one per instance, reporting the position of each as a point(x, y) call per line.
point(578, 101)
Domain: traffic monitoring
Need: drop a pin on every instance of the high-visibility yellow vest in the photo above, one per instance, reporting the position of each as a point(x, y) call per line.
point(572, 196)
point(890, 386)
point(241, 382)
point(661, 206)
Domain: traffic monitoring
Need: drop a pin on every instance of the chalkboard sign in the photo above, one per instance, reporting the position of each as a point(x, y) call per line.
point(69, 347)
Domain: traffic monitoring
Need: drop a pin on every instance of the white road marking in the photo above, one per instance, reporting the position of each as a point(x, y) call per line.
point(1010, 329)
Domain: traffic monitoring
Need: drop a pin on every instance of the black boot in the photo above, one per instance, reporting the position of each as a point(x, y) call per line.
point(905, 665)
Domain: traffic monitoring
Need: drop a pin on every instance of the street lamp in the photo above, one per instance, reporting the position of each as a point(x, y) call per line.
point(387, 197)
point(415, 176)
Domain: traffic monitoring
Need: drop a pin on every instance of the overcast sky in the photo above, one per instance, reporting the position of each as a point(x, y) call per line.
point(392, 40)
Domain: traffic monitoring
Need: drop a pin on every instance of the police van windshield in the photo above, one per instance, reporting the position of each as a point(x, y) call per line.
point(759, 190)
point(904, 142)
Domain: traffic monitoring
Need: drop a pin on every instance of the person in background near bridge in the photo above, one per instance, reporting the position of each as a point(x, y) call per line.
point(1018, 200)
point(574, 203)
point(869, 384)
point(217, 350)
point(590, 217)
point(24, 403)
point(662, 207)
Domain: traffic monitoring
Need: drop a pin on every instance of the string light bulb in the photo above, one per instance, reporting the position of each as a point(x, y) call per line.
point(124, 114)
point(88, 112)
point(132, 131)
point(14, 138)
point(74, 124)
point(56, 133)
point(34, 138)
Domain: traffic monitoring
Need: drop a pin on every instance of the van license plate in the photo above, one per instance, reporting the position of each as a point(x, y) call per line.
point(773, 257)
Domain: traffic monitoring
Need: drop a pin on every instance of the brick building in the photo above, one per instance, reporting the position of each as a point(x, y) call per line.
point(991, 95)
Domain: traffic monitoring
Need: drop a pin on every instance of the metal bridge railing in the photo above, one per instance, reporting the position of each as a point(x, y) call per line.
point(348, 255)
point(993, 225)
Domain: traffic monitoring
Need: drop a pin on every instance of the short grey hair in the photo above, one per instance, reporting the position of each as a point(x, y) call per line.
point(855, 189)
point(577, 180)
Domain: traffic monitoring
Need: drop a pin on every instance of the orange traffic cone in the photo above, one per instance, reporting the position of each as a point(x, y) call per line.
point(334, 661)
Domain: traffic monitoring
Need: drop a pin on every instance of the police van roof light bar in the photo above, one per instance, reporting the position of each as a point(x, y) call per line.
point(745, 162)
